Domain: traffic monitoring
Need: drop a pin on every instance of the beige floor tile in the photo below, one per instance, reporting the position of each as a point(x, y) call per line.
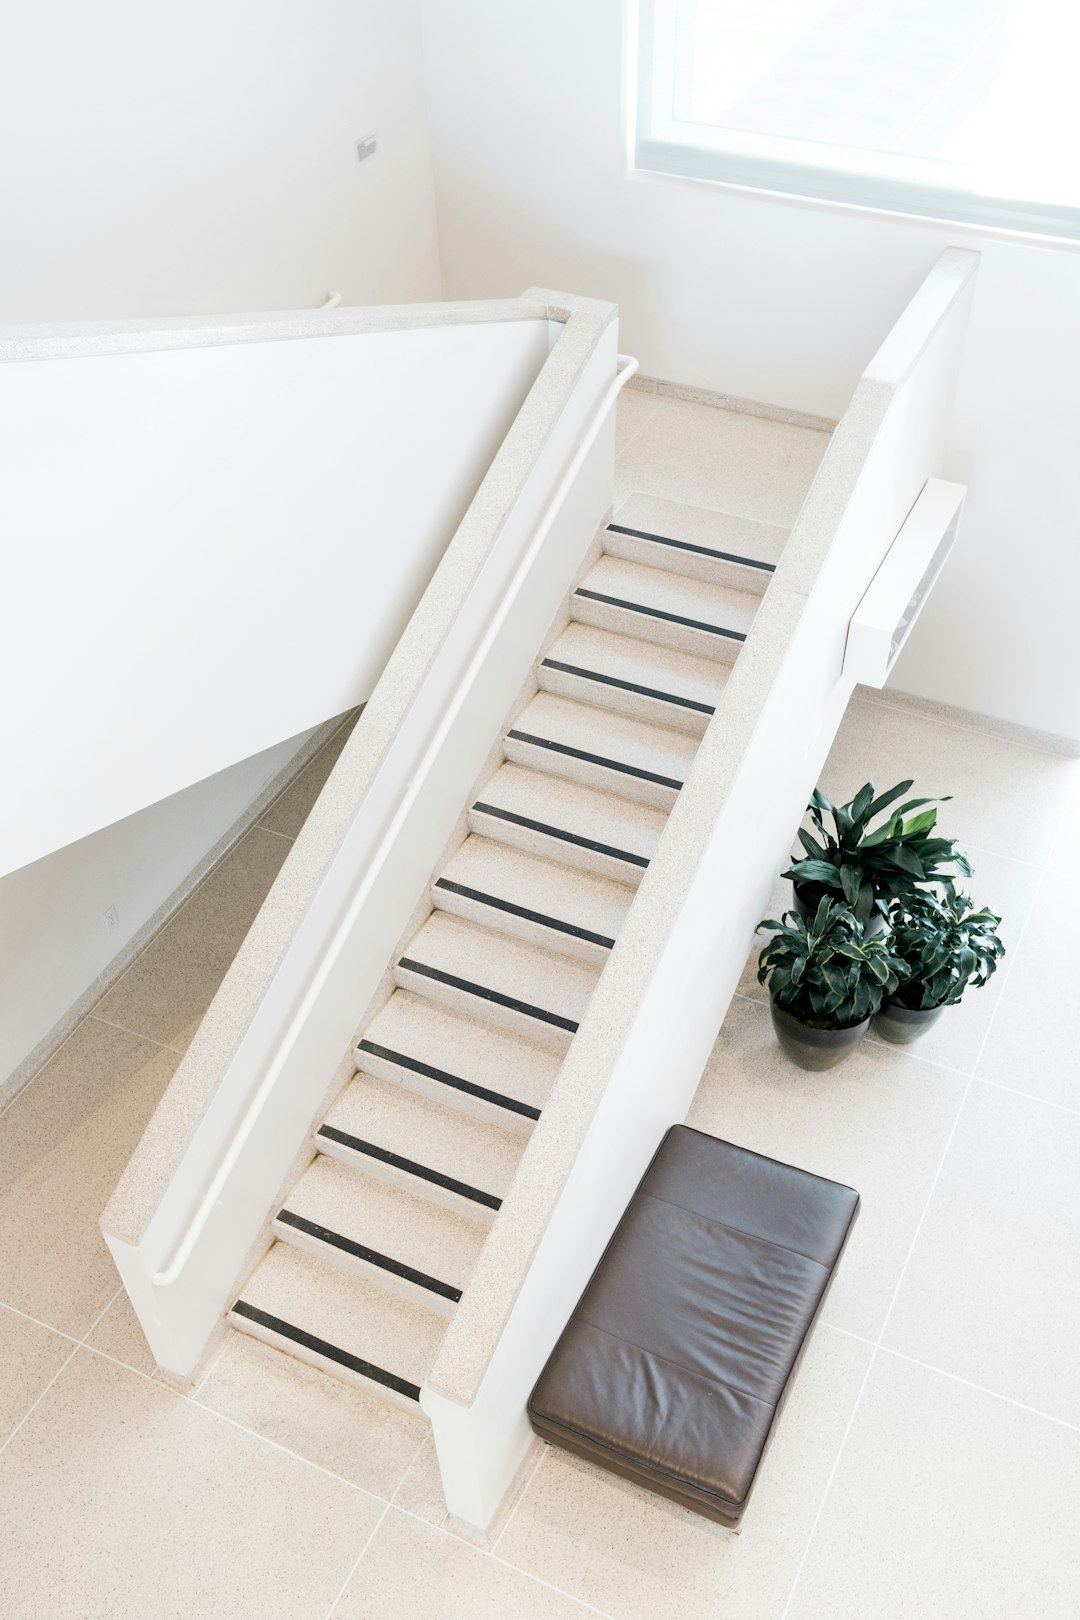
point(119, 1335)
point(63, 1143)
point(1032, 1045)
point(992, 1292)
point(412, 1571)
point(632, 412)
point(1006, 798)
point(340, 1428)
point(638, 1556)
point(420, 1492)
point(167, 989)
point(879, 1122)
point(291, 809)
point(121, 1501)
point(30, 1355)
point(948, 1504)
point(748, 465)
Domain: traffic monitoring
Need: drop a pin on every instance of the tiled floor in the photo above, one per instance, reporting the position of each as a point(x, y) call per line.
point(928, 1464)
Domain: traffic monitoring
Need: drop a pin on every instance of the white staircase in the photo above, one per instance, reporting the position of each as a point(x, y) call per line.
point(376, 1243)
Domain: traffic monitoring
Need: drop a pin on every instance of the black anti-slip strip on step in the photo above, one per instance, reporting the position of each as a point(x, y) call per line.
point(367, 1369)
point(486, 994)
point(557, 832)
point(522, 911)
point(511, 1104)
point(595, 759)
point(628, 686)
point(701, 551)
point(658, 613)
point(360, 1251)
point(410, 1166)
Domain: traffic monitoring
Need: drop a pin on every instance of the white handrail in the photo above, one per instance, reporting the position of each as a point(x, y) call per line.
point(626, 366)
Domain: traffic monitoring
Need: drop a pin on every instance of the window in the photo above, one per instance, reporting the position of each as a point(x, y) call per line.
point(952, 109)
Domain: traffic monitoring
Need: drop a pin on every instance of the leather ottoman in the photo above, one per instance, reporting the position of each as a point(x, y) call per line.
point(675, 1364)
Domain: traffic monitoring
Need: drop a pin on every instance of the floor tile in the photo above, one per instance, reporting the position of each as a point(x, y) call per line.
point(948, 1504)
point(30, 1355)
point(291, 809)
point(633, 411)
point(1032, 1045)
point(119, 1335)
point(748, 465)
point(64, 1141)
point(1006, 798)
point(329, 1422)
point(123, 1501)
point(1000, 1244)
point(420, 1492)
point(167, 989)
point(635, 1555)
point(878, 1122)
point(1062, 856)
point(412, 1571)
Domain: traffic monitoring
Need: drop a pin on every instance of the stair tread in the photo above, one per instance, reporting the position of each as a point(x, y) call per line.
point(348, 1312)
point(463, 1049)
point(396, 1223)
point(639, 664)
point(593, 905)
point(453, 948)
point(433, 1134)
point(550, 801)
point(721, 533)
point(687, 599)
point(652, 751)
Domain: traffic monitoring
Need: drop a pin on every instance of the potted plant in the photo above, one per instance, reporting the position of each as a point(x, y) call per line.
point(870, 870)
point(826, 980)
point(943, 947)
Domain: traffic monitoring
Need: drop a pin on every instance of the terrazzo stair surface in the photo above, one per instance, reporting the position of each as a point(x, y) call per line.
point(440, 1055)
point(537, 993)
point(375, 1244)
point(436, 1150)
point(550, 905)
point(630, 598)
point(347, 1325)
point(631, 758)
point(381, 1228)
point(625, 675)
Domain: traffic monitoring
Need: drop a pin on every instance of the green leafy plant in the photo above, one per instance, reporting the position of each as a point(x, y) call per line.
point(943, 946)
point(823, 971)
point(868, 869)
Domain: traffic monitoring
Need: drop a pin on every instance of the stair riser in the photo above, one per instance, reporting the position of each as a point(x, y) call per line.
point(690, 564)
point(419, 1185)
point(625, 622)
point(508, 922)
point(389, 1280)
point(618, 701)
point(423, 1086)
point(479, 1007)
point(346, 1375)
point(555, 849)
point(571, 769)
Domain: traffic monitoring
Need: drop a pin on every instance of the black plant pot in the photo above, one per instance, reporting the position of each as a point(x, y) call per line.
point(815, 1048)
point(807, 900)
point(902, 1025)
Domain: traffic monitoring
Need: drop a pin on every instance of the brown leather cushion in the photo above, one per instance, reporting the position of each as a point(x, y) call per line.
point(674, 1365)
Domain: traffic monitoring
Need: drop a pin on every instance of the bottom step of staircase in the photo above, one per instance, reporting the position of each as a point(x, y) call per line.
point(341, 1323)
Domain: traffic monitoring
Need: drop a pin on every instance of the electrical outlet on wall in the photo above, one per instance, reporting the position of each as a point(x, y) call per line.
point(112, 919)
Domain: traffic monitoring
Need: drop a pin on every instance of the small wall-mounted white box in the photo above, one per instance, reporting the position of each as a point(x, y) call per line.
point(883, 619)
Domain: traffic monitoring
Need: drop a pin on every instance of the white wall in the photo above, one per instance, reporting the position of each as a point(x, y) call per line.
point(213, 549)
point(189, 156)
point(53, 937)
point(780, 301)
